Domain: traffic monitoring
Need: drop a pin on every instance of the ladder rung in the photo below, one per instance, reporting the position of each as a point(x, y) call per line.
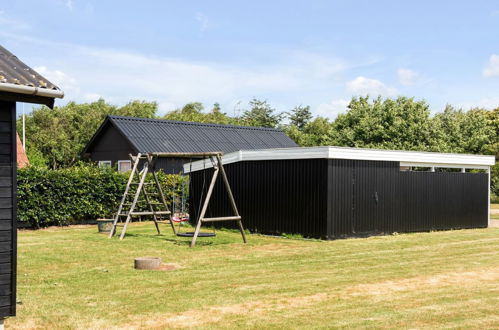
point(145, 183)
point(150, 213)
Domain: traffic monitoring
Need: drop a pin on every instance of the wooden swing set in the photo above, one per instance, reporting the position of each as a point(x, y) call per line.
point(138, 186)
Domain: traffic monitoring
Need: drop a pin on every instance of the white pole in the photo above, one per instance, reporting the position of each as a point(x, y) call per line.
point(24, 130)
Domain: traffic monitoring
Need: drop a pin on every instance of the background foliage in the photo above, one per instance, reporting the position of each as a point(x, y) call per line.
point(59, 135)
point(56, 138)
point(71, 195)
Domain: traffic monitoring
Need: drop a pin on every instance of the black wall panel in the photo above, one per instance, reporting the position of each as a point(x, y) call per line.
point(273, 197)
point(8, 235)
point(334, 198)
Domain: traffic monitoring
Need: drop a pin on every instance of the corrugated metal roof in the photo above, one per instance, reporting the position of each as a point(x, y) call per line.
point(13, 71)
point(155, 135)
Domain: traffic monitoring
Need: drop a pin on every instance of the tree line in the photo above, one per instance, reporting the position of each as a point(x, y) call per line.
point(56, 138)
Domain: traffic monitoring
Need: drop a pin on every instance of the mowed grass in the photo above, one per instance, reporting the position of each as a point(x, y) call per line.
point(494, 211)
point(75, 277)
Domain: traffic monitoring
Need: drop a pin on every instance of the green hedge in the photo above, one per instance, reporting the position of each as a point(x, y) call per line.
point(72, 195)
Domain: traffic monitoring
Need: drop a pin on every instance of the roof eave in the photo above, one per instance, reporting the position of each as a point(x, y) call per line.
point(29, 90)
point(405, 158)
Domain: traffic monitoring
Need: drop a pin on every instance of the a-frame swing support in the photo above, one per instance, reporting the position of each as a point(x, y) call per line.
point(216, 161)
point(150, 158)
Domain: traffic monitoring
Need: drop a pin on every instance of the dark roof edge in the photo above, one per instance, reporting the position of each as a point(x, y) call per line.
point(194, 123)
point(108, 120)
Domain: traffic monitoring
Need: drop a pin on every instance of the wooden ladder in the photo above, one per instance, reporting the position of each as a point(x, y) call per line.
point(135, 188)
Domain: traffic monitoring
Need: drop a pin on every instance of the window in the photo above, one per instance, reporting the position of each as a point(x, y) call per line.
point(104, 163)
point(124, 165)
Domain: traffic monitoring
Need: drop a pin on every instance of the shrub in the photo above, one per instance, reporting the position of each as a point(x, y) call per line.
point(68, 196)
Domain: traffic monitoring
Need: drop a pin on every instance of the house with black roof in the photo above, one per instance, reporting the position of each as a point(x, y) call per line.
point(18, 83)
point(119, 136)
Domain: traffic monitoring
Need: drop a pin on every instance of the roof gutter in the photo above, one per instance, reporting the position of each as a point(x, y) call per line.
point(21, 89)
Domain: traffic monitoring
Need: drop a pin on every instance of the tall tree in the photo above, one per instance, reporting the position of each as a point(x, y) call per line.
point(189, 112)
point(261, 114)
point(60, 135)
point(465, 131)
point(195, 112)
point(400, 123)
point(300, 116)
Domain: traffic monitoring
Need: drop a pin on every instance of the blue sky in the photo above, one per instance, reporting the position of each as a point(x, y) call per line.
point(317, 53)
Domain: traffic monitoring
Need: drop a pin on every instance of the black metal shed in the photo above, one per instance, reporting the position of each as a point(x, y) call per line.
point(333, 192)
point(18, 83)
point(120, 136)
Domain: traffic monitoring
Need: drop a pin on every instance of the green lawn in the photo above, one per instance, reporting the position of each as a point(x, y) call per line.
point(76, 278)
point(494, 211)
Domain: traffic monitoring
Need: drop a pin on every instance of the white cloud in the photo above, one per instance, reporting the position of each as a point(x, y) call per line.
point(57, 77)
point(333, 108)
point(66, 83)
point(362, 85)
point(172, 82)
point(7, 22)
point(486, 103)
point(407, 77)
point(69, 4)
point(492, 68)
point(203, 21)
point(91, 97)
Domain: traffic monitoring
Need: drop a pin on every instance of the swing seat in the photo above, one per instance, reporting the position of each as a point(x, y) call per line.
point(179, 219)
point(201, 234)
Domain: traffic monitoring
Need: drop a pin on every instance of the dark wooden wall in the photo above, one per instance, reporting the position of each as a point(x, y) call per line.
point(337, 198)
point(113, 146)
point(8, 234)
point(274, 197)
point(375, 197)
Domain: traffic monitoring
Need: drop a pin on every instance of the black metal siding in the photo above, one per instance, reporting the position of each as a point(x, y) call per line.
point(440, 200)
point(338, 198)
point(273, 197)
point(375, 197)
point(8, 234)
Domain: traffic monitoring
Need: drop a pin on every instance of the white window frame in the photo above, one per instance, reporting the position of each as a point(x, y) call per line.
point(104, 163)
point(124, 161)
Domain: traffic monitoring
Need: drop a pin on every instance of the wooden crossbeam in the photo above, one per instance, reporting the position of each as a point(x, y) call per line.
point(221, 219)
point(151, 213)
point(190, 155)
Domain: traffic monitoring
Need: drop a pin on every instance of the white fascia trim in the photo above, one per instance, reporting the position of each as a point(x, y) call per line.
point(417, 157)
point(406, 158)
point(436, 165)
point(22, 89)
